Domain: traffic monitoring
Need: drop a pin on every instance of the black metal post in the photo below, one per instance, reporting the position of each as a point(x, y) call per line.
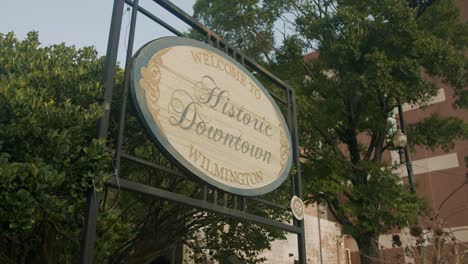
point(128, 63)
point(409, 165)
point(88, 238)
point(400, 154)
point(110, 64)
point(297, 190)
point(319, 233)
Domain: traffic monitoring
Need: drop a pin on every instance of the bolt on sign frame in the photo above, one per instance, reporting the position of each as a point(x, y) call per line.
point(237, 211)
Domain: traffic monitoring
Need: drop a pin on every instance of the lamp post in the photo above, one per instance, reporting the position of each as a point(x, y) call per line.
point(400, 141)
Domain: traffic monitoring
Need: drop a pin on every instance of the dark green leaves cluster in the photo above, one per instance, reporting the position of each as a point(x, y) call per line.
point(48, 157)
point(438, 132)
point(448, 38)
point(246, 23)
point(231, 241)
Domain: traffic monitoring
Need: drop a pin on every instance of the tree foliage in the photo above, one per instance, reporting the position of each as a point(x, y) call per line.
point(48, 155)
point(368, 55)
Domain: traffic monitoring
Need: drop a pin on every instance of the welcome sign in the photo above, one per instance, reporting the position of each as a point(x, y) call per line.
point(211, 115)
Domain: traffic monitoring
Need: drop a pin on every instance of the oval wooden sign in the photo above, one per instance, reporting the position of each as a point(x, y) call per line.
point(211, 115)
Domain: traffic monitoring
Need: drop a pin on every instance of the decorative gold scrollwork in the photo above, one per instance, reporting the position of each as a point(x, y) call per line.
point(151, 77)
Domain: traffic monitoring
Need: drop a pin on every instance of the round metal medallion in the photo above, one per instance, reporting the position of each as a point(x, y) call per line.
point(297, 207)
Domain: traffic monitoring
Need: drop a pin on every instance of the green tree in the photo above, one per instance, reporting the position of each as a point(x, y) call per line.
point(49, 157)
point(369, 55)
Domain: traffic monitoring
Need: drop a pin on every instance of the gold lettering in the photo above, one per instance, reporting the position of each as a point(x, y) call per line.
point(194, 154)
point(219, 65)
point(206, 59)
point(219, 171)
point(225, 174)
point(196, 56)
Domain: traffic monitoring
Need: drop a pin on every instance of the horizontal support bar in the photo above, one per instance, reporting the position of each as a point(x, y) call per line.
point(268, 203)
point(204, 205)
point(176, 11)
point(152, 165)
point(155, 19)
point(178, 174)
point(277, 97)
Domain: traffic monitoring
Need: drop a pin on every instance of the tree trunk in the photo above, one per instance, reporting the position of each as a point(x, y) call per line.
point(47, 251)
point(437, 244)
point(368, 249)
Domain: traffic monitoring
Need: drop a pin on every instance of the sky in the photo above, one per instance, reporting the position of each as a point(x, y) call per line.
point(84, 22)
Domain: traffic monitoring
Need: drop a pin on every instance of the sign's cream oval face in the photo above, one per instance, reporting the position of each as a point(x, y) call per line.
point(211, 115)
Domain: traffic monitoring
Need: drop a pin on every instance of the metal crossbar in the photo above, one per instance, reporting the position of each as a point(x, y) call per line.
point(196, 203)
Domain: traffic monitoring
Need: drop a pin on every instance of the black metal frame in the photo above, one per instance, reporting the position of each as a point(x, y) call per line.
point(89, 232)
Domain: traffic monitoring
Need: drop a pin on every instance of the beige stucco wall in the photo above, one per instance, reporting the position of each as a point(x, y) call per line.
point(332, 244)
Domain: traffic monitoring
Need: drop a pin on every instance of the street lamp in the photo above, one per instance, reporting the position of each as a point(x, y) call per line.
point(399, 141)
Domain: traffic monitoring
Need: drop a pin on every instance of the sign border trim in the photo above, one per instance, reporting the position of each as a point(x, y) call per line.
point(142, 58)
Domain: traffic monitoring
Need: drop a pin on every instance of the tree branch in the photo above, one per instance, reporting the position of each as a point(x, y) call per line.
point(338, 216)
point(370, 149)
